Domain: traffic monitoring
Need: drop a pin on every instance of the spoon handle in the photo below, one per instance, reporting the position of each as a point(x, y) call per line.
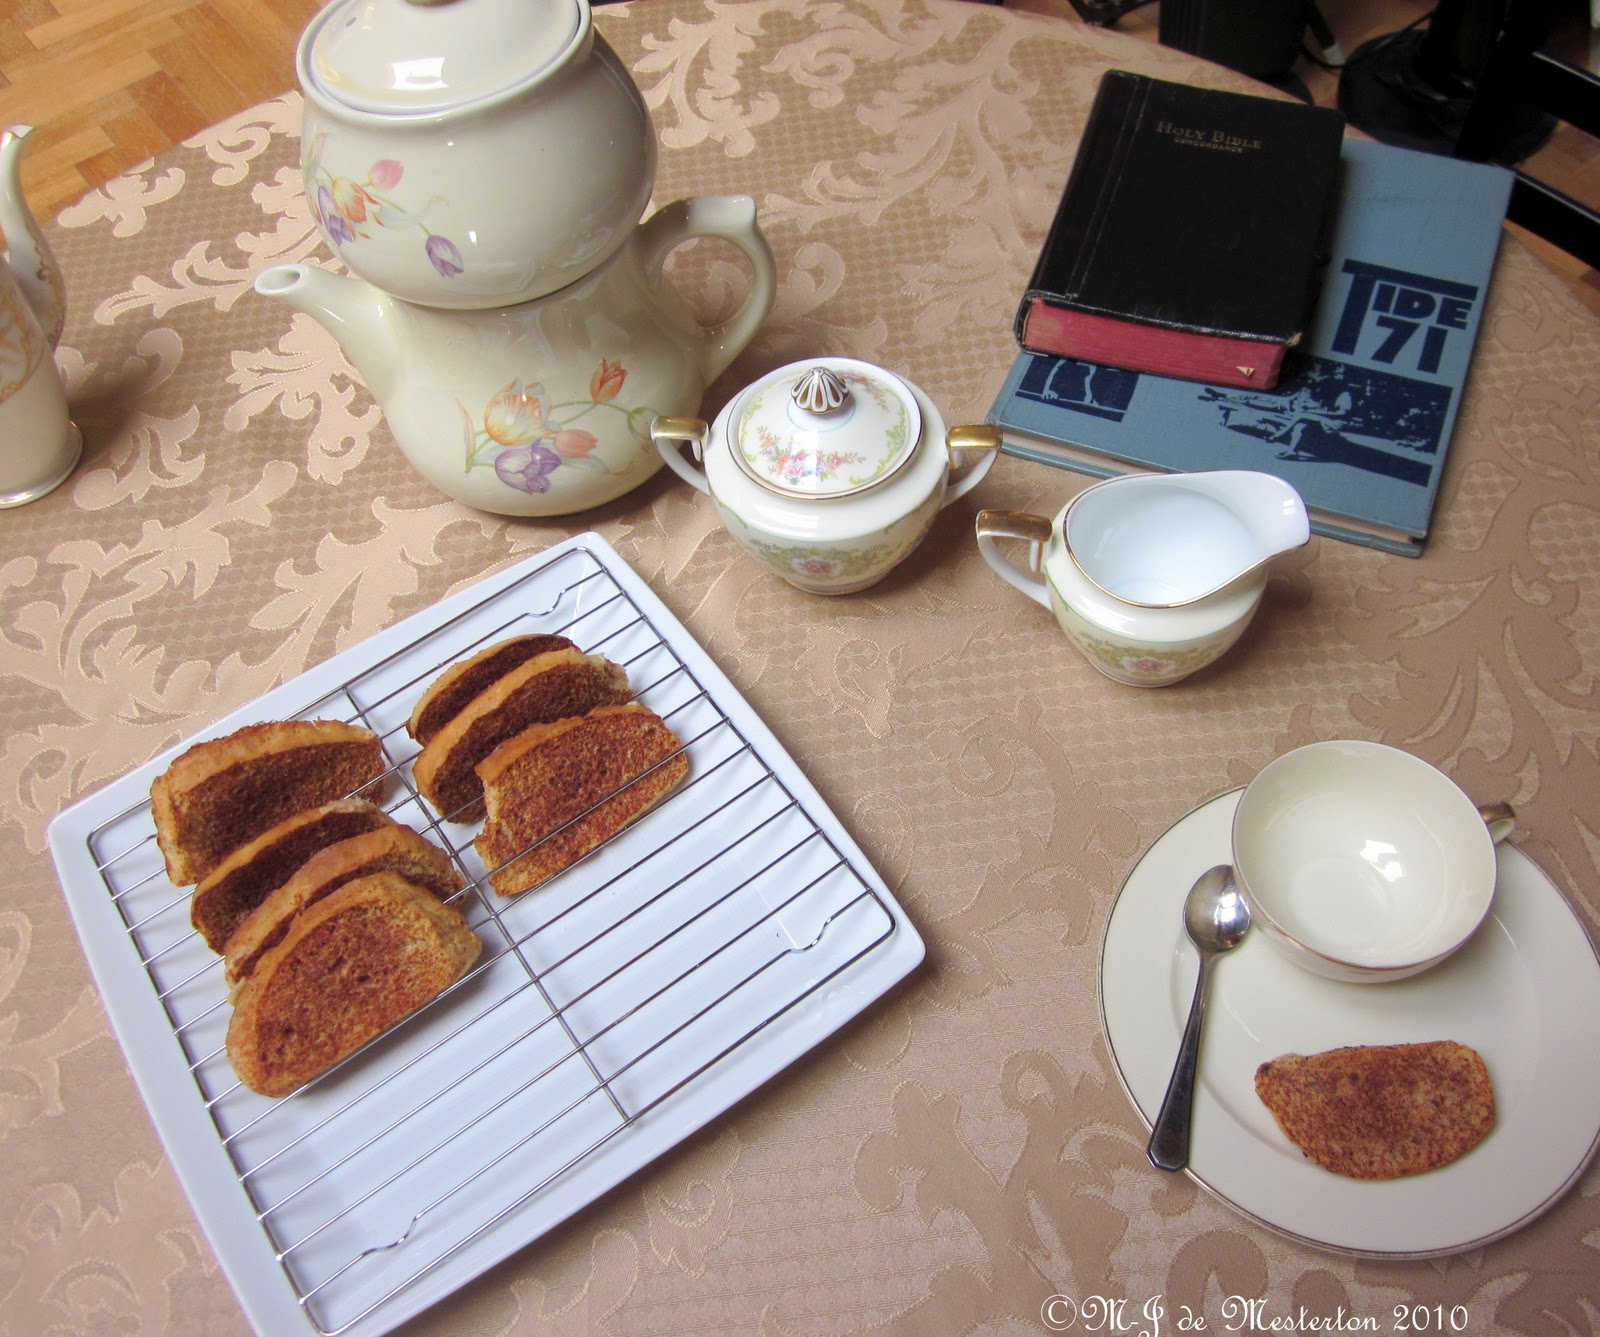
point(1169, 1135)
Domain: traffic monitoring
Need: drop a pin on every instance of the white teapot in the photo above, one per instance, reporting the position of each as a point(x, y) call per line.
point(39, 444)
point(829, 471)
point(470, 153)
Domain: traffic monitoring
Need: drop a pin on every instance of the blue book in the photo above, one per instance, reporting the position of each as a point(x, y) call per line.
point(1360, 423)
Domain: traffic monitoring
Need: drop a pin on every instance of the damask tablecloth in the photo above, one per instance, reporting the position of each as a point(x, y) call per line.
point(964, 1152)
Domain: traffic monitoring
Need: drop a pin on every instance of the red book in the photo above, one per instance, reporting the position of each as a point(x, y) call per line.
point(1189, 239)
point(1219, 359)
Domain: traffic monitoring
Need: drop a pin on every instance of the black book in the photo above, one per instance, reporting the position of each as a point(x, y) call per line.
point(1190, 234)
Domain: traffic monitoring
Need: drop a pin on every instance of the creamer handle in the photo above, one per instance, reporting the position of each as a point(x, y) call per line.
point(733, 218)
point(1034, 530)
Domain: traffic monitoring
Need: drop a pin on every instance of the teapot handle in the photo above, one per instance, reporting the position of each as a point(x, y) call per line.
point(733, 218)
point(1034, 530)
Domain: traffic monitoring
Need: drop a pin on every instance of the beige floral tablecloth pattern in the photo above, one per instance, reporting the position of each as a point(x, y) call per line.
point(964, 1151)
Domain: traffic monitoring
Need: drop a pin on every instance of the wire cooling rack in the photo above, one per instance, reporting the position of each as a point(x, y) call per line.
point(613, 1011)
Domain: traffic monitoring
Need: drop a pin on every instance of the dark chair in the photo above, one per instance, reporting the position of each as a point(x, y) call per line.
point(1522, 78)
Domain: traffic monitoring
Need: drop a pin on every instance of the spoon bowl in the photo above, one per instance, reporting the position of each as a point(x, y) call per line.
point(1216, 919)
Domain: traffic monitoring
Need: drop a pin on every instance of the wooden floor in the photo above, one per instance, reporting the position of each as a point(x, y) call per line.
point(109, 83)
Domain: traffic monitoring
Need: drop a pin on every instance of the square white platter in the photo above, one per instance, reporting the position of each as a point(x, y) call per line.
point(613, 1012)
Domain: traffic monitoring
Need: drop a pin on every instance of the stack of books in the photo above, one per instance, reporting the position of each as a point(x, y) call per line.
point(1357, 408)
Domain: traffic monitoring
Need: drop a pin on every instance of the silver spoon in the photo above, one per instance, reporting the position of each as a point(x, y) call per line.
point(1215, 917)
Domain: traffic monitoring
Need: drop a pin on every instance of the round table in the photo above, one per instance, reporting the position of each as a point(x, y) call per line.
point(962, 1158)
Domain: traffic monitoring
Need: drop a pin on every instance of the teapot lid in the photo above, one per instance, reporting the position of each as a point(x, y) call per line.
point(825, 429)
point(422, 57)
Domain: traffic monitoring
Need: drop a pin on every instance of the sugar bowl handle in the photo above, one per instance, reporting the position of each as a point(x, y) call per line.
point(1034, 530)
point(669, 434)
point(962, 440)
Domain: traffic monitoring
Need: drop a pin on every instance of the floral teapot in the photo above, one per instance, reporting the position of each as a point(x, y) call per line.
point(481, 167)
point(543, 408)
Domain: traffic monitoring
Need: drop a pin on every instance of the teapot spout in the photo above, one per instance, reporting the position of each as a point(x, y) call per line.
point(29, 255)
point(359, 316)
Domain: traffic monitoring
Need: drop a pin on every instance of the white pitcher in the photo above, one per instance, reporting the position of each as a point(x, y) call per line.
point(1153, 576)
point(39, 444)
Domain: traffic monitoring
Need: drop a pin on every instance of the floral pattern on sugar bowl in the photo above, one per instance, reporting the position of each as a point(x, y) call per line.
point(348, 211)
point(525, 438)
point(829, 472)
point(838, 568)
point(829, 465)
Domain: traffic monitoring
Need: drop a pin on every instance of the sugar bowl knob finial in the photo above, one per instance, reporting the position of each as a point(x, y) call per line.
point(821, 391)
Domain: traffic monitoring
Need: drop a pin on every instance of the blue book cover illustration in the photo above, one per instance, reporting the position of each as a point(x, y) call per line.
point(1361, 423)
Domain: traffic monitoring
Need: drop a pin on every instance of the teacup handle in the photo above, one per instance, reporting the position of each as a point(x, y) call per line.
point(959, 440)
point(669, 434)
point(1500, 818)
point(1034, 530)
point(733, 218)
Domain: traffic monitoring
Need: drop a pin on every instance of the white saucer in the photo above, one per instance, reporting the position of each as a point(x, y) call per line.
point(1524, 993)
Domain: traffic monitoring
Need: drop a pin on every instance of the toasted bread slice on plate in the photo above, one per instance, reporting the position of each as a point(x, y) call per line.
point(453, 690)
point(548, 687)
point(1381, 1111)
point(351, 966)
point(556, 791)
point(225, 792)
point(393, 848)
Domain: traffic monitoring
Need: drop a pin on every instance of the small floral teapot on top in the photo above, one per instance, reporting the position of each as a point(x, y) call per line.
point(470, 153)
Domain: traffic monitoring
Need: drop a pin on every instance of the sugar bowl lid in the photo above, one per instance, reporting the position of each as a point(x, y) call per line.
point(422, 57)
point(825, 429)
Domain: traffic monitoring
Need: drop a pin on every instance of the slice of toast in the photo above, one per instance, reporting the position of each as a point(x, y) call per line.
point(236, 886)
point(557, 791)
point(351, 966)
point(1381, 1111)
point(223, 793)
point(451, 692)
point(393, 848)
point(550, 686)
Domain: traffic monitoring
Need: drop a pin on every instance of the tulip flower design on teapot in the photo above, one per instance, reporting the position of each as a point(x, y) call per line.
point(525, 438)
point(349, 211)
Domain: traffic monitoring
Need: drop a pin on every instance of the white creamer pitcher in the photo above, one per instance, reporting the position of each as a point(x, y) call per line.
point(1153, 576)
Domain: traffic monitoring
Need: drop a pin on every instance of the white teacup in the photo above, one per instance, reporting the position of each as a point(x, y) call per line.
point(1361, 862)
